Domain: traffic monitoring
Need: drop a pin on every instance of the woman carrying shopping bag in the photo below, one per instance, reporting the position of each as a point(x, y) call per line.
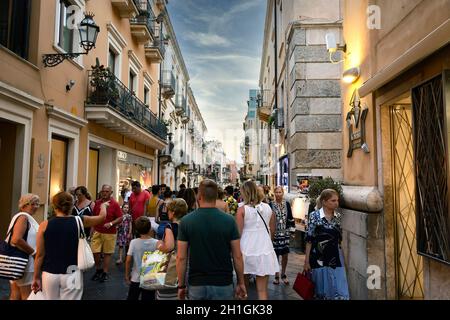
point(324, 256)
point(57, 251)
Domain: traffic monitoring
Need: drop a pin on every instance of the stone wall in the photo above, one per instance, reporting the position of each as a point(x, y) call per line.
point(314, 115)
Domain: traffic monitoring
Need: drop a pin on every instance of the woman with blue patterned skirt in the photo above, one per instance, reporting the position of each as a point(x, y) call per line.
point(323, 249)
point(284, 224)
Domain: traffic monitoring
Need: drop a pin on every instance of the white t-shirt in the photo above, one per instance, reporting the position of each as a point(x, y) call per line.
point(136, 250)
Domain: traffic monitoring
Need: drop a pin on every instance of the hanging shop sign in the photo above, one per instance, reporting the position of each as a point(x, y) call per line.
point(356, 124)
point(122, 156)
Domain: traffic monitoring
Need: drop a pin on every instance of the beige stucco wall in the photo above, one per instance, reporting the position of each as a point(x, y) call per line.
point(403, 24)
point(49, 85)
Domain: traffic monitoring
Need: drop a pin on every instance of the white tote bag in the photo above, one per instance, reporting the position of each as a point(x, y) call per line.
point(85, 256)
point(36, 296)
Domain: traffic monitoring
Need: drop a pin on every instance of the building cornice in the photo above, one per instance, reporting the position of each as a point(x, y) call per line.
point(418, 52)
point(20, 96)
point(267, 32)
point(62, 115)
point(116, 35)
point(175, 45)
point(133, 57)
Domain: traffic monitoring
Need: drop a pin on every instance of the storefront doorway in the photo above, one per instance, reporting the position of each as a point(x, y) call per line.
point(408, 264)
point(8, 196)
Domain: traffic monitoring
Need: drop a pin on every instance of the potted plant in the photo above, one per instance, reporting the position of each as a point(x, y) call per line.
point(102, 81)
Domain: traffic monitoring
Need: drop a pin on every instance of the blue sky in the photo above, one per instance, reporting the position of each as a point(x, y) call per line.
point(221, 43)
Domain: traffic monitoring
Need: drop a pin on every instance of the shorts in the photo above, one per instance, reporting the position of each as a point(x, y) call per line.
point(103, 243)
point(26, 280)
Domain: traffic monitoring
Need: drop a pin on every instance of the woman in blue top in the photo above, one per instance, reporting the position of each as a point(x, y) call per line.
point(323, 249)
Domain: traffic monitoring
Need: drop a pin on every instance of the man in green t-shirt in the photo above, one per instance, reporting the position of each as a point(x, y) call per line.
point(213, 238)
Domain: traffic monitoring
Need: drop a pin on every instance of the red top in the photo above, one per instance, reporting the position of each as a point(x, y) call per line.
point(112, 213)
point(137, 203)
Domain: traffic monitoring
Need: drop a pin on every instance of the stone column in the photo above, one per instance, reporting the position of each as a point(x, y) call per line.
point(315, 106)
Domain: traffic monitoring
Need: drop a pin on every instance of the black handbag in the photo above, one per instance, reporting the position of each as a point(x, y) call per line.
point(13, 261)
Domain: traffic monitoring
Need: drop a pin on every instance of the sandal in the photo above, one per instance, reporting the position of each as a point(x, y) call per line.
point(277, 280)
point(285, 279)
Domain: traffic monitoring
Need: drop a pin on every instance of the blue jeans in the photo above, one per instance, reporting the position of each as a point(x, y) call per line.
point(211, 292)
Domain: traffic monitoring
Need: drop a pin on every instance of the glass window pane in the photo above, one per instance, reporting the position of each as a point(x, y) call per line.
point(4, 13)
point(112, 61)
point(66, 29)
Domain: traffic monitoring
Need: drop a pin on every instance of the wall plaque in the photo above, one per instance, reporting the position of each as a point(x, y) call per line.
point(356, 124)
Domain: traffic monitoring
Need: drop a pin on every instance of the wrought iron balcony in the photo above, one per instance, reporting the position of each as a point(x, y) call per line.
point(168, 84)
point(126, 8)
point(156, 49)
point(112, 104)
point(264, 102)
point(180, 104)
point(143, 26)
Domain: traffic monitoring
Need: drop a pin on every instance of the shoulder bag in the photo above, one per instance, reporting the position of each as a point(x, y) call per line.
point(13, 261)
point(85, 255)
point(257, 210)
point(158, 270)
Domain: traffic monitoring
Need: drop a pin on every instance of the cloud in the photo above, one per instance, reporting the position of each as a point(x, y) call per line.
point(221, 45)
point(207, 39)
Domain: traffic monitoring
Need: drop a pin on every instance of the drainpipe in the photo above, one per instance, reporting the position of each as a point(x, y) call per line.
point(276, 71)
point(160, 102)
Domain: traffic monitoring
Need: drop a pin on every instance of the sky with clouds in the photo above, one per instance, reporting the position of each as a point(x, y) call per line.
point(221, 43)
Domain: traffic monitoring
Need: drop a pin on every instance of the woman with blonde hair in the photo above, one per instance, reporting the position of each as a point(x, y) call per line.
point(253, 220)
point(284, 223)
point(323, 249)
point(22, 233)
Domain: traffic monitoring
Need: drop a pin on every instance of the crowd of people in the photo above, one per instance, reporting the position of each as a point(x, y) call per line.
point(216, 233)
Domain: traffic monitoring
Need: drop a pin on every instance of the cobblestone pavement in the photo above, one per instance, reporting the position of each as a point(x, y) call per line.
point(116, 289)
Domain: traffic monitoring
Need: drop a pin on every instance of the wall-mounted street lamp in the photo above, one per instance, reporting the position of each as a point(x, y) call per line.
point(351, 75)
point(88, 37)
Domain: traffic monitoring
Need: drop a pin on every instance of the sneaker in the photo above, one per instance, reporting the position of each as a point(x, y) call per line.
point(104, 277)
point(97, 275)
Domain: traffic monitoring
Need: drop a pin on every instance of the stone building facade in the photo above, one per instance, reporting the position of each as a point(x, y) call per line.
point(300, 96)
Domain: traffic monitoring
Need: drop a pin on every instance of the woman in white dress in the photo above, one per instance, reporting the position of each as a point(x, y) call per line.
point(256, 225)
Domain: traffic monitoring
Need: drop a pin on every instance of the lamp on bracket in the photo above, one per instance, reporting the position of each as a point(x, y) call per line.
point(88, 30)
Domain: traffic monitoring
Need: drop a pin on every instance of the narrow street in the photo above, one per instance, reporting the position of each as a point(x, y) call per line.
point(116, 289)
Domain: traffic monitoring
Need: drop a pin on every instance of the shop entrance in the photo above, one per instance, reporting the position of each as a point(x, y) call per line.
point(408, 264)
point(9, 195)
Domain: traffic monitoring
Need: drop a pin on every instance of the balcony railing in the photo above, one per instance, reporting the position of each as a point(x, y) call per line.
point(155, 50)
point(168, 84)
point(105, 89)
point(126, 8)
point(264, 103)
point(180, 103)
point(146, 19)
